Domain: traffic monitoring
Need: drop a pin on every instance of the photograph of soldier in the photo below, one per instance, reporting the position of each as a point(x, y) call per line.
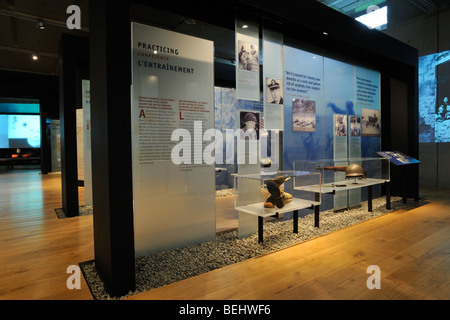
point(443, 112)
point(355, 126)
point(341, 125)
point(248, 56)
point(371, 123)
point(249, 125)
point(304, 115)
point(274, 92)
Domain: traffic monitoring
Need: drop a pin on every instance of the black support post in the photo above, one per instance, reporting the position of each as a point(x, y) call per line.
point(110, 72)
point(369, 198)
point(67, 114)
point(388, 195)
point(317, 211)
point(260, 229)
point(295, 221)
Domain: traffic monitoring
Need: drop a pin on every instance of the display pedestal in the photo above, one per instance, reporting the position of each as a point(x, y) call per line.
point(297, 184)
point(335, 177)
point(403, 161)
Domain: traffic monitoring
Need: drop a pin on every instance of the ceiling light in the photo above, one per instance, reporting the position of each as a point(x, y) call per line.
point(325, 33)
point(245, 26)
point(35, 57)
point(190, 21)
point(41, 24)
point(375, 19)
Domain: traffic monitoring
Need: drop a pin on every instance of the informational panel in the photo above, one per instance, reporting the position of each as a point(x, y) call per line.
point(86, 103)
point(248, 160)
point(80, 148)
point(398, 158)
point(273, 90)
point(368, 97)
point(172, 133)
point(368, 109)
point(55, 145)
point(304, 137)
point(340, 100)
point(247, 60)
point(354, 152)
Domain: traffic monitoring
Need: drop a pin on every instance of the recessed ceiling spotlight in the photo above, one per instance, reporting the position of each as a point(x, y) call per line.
point(35, 57)
point(325, 33)
point(41, 24)
point(190, 21)
point(245, 26)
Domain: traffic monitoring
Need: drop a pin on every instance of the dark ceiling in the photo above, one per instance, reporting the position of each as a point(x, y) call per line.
point(21, 37)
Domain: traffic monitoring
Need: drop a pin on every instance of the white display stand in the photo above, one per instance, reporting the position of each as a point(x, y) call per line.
point(298, 184)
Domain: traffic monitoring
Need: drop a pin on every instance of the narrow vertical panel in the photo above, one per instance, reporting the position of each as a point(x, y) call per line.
point(339, 93)
point(273, 86)
point(247, 60)
point(87, 128)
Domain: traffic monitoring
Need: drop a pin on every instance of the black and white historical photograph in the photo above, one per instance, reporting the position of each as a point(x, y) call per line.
point(274, 91)
point(249, 125)
point(355, 126)
point(248, 56)
point(341, 125)
point(371, 123)
point(304, 115)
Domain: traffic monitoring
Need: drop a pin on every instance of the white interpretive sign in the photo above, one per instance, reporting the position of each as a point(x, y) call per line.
point(172, 106)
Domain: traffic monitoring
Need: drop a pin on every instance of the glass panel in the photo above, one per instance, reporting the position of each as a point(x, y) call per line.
point(172, 112)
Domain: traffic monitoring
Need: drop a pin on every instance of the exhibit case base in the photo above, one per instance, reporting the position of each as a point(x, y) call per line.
point(271, 194)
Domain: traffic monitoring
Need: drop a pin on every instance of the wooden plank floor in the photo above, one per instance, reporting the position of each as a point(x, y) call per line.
point(35, 246)
point(411, 247)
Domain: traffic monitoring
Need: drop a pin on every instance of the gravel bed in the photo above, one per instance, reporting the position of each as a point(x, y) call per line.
point(82, 211)
point(166, 267)
point(224, 193)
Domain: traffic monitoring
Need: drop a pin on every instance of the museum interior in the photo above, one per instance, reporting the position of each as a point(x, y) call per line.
point(248, 151)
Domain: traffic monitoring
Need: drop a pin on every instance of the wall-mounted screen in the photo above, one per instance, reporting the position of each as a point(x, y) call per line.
point(20, 131)
point(434, 94)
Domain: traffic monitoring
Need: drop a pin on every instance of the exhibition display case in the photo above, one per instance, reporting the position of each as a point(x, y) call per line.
point(348, 175)
point(340, 175)
point(271, 194)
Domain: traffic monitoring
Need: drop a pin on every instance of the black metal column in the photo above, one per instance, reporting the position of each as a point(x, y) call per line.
point(369, 198)
point(110, 72)
point(260, 229)
point(317, 211)
point(295, 221)
point(388, 195)
point(67, 114)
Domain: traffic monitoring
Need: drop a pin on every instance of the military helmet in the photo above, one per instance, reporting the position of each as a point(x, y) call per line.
point(355, 171)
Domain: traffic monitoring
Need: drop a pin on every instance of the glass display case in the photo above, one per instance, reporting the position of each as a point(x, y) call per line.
point(339, 175)
point(271, 194)
point(350, 174)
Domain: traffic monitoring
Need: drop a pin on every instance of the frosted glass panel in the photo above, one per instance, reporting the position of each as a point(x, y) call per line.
point(172, 109)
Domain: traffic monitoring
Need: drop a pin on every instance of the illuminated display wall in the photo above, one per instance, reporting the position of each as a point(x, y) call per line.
point(434, 92)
